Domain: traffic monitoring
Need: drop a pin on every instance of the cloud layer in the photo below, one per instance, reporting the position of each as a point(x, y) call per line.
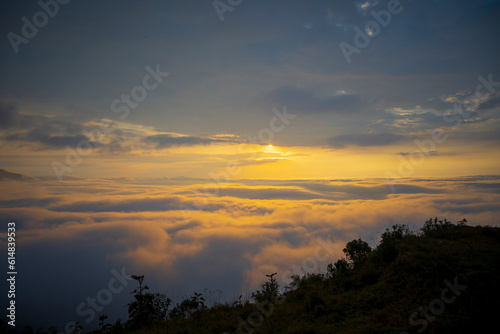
point(183, 238)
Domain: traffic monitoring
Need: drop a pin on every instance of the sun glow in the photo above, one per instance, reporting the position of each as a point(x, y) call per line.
point(270, 149)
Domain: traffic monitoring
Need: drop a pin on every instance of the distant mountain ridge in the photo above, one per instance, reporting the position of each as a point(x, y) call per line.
point(6, 175)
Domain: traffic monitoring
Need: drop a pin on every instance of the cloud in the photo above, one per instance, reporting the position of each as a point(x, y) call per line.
point(491, 103)
point(483, 186)
point(6, 115)
point(115, 146)
point(128, 205)
point(51, 141)
point(437, 104)
point(261, 161)
point(268, 193)
point(260, 226)
point(420, 152)
point(366, 139)
point(364, 6)
point(305, 100)
point(165, 141)
point(42, 131)
point(28, 202)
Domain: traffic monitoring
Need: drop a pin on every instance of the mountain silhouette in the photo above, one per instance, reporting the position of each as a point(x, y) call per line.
point(5, 175)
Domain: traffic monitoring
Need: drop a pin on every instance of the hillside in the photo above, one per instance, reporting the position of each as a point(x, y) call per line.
point(448, 275)
point(441, 282)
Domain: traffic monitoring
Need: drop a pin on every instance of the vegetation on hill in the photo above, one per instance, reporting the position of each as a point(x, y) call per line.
point(443, 279)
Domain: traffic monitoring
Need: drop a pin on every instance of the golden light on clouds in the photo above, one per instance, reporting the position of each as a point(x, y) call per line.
point(156, 225)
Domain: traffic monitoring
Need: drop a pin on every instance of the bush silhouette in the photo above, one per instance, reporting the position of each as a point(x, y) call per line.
point(189, 307)
point(357, 250)
point(146, 308)
point(269, 290)
point(435, 226)
point(105, 328)
point(388, 248)
point(340, 267)
point(77, 328)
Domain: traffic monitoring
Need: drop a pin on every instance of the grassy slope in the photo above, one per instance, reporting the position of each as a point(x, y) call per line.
point(380, 294)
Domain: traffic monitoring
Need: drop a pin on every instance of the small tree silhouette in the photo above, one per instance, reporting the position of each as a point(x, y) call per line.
point(147, 308)
point(77, 328)
point(193, 306)
point(118, 327)
point(269, 290)
point(388, 248)
point(104, 327)
point(357, 250)
point(31, 330)
point(432, 226)
point(52, 330)
point(341, 267)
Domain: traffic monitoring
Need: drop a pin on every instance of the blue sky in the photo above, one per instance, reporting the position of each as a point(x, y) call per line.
point(228, 75)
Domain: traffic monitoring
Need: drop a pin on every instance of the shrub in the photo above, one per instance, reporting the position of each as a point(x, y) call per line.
point(269, 290)
point(189, 307)
point(306, 279)
point(431, 225)
point(147, 308)
point(338, 268)
point(356, 250)
point(105, 328)
point(388, 248)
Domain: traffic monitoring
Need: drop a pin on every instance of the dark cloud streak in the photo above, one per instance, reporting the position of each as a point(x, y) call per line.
point(163, 141)
point(307, 100)
point(364, 139)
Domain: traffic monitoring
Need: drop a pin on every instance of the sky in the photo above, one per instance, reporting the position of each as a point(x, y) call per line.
point(205, 144)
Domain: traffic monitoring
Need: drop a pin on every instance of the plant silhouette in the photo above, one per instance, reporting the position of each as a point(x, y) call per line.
point(269, 290)
point(104, 327)
point(356, 250)
point(77, 328)
point(147, 308)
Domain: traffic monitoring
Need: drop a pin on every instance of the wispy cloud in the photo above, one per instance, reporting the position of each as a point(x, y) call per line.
point(306, 100)
point(365, 139)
